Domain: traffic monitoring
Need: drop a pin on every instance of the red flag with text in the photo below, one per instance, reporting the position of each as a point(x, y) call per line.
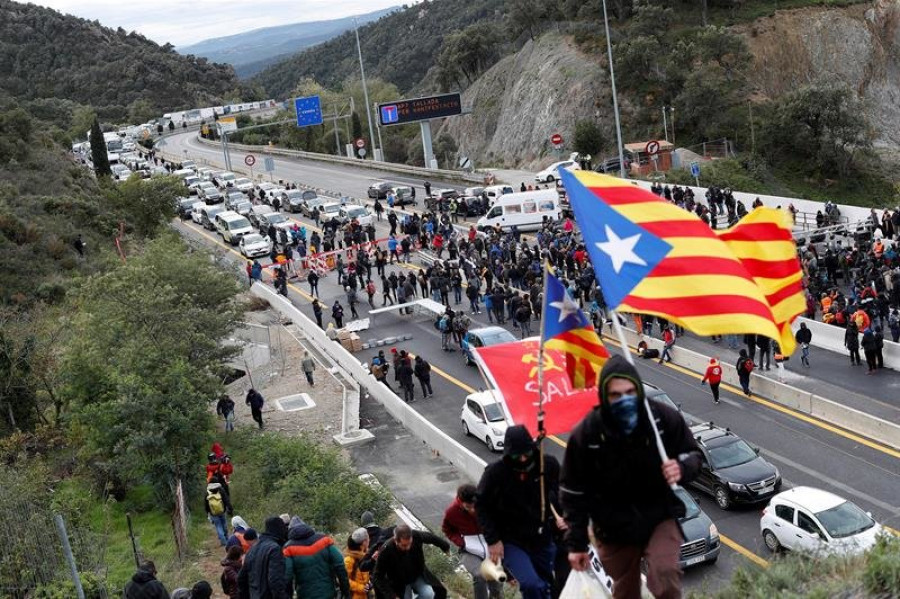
point(513, 370)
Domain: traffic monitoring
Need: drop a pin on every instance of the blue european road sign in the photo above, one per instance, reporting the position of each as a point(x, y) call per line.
point(389, 114)
point(309, 111)
point(695, 169)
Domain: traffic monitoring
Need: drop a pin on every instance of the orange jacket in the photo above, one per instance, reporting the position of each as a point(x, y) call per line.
point(713, 373)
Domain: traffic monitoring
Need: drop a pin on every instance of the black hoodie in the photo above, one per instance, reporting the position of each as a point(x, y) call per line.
point(263, 576)
point(616, 480)
point(143, 585)
point(509, 495)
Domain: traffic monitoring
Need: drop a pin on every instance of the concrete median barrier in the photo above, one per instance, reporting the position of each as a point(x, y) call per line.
point(856, 421)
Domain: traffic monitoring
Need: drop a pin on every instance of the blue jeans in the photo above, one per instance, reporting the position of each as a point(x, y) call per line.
point(533, 570)
point(221, 528)
point(421, 588)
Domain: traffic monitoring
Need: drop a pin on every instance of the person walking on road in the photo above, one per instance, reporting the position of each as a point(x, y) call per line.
point(851, 342)
point(337, 314)
point(308, 365)
point(255, 401)
point(744, 367)
point(804, 338)
point(668, 342)
point(879, 348)
point(422, 370)
point(714, 377)
point(614, 483)
point(352, 301)
point(765, 352)
point(317, 312)
point(313, 279)
point(405, 379)
point(870, 345)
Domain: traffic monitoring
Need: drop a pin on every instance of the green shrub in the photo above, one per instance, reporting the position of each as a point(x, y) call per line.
point(94, 587)
point(882, 573)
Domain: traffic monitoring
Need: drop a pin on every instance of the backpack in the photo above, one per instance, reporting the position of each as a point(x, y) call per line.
point(370, 288)
point(748, 365)
point(216, 503)
point(442, 324)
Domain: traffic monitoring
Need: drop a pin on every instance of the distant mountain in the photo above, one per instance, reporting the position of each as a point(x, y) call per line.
point(252, 51)
point(46, 56)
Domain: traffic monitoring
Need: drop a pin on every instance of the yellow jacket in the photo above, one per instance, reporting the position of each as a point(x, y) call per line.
point(359, 580)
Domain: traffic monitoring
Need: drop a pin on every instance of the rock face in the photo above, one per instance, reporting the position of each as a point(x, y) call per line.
point(857, 46)
point(527, 97)
point(549, 85)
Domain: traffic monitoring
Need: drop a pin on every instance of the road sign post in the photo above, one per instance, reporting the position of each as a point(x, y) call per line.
point(695, 171)
point(309, 111)
point(270, 166)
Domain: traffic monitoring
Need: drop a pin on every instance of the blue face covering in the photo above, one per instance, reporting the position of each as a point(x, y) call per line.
point(625, 412)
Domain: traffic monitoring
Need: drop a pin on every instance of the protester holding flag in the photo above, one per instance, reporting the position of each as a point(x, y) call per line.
point(613, 477)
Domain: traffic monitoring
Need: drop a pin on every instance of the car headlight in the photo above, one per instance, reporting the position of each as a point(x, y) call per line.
point(713, 531)
point(736, 486)
point(496, 431)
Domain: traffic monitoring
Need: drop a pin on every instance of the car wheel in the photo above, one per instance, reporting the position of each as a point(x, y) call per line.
point(489, 443)
point(550, 179)
point(466, 429)
point(722, 498)
point(771, 541)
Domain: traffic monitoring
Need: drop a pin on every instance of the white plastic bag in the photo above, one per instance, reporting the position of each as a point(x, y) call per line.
point(583, 585)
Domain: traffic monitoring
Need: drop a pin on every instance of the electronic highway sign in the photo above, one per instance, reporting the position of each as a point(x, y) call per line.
point(419, 109)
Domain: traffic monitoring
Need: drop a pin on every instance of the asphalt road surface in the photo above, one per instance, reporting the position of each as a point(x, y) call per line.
point(807, 451)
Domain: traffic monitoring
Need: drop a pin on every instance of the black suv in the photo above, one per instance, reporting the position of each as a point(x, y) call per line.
point(732, 471)
point(379, 190)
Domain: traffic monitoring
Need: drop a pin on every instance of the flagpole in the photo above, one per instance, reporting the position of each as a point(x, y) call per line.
point(540, 414)
point(620, 333)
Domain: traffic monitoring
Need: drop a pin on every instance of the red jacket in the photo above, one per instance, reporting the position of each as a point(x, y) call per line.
point(713, 373)
point(458, 522)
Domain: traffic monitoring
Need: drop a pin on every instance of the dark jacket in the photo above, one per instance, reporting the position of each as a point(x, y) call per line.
point(804, 335)
point(229, 578)
point(616, 480)
point(422, 369)
point(851, 337)
point(262, 576)
point(869, 343)
point(314, 564)
point(143, 585)
point(395, 569)
point(405, 374)
point(509, 496)
point(254, 399)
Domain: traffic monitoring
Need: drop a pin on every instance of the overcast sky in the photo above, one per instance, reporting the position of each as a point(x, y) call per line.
point(182, 23)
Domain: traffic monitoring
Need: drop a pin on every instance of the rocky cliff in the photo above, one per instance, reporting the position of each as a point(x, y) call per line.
point(549, 84)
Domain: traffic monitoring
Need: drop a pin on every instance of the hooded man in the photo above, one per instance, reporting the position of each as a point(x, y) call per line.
point(313, 564)
point(143, 585)
point(613, 477)
point(516, 520)
point(262, 576)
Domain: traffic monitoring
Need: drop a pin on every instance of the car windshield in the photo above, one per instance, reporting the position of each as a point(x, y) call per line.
point(731, 454)
point(691, 507)
point(332, 208)
point(357, 211)
point(276, 218)
point(500, 337)
point(493, 412)
point(242, 181)
point(845, 520)
point(662, 397)
point(243, 206)
point(253, 238)
point(294, 195)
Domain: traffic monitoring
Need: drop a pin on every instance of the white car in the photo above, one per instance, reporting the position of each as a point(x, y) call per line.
point(551, 173)
point(483, 417)
point(816, 521)
point(243, 184)
point(254, 245)
point(328, 210)
point(360, 213)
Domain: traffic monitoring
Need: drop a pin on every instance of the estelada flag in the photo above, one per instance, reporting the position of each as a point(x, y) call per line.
point(513, 370)
point(652, 257)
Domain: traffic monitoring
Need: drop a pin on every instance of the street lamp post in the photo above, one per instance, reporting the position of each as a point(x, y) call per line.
point(612, 80)
point(362, 72)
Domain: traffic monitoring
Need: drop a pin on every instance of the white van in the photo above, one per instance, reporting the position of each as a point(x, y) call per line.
point(183, 173)
point(232, 226)
point(526, 210)
point(495, 191)
point(208, 216)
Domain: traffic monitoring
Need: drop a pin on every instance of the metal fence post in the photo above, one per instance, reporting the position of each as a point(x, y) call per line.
point(134, 548)
point(67, 551)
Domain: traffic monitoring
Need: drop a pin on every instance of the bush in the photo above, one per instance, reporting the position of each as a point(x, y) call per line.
point(94, 587)
point(882, 573)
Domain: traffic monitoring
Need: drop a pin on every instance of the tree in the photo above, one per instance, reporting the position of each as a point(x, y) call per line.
point(588, 138)
point(145, 205)
point(142, 362)
point(355, 125)
point(98, 151)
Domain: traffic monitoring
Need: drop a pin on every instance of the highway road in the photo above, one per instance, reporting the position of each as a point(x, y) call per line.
point(807, 452)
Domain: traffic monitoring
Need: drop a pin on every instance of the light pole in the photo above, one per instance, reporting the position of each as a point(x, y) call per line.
point(612, 80)
point(665, 126)
point(362, 72)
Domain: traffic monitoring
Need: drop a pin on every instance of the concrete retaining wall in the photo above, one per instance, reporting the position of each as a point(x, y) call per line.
point(450, 450)
point(802, 401)
point(831, 337)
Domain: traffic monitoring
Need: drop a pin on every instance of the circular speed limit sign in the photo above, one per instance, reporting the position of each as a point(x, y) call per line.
point(249, 159)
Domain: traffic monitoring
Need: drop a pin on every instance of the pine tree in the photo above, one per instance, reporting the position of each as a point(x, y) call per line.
point(356, 125)
point(98, 151)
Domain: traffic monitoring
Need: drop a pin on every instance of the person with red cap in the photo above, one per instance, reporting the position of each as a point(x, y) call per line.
point(714, 376)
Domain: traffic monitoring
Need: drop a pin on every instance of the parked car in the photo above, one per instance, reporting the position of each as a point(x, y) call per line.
point(257, 212)
point(379, 190)
point(224, 179)
point(312, 204)
point(551, 173)
point(208, 216)
point(232, 226)
point(440, 199)
point(472, 192)
point(611, 165)
point(243, 184)
point(243, 208)
point(209, 193)
point(701, 537)
point(359, 213)
point(184, 206)
point(654, 393)
point(189, 164)
point(470, 206)
point(816, 521)
point(404, 196)
point(730, 470)
point(482, 417)
point(192, 182)
point(272, 218)
point(196, 214)
point(329, 210)
point(204, 173)
point(292, 199)
point(233, 198)
point(484, 337)
point(254, 245)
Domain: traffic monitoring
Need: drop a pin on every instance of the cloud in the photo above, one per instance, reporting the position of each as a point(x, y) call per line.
point(183, 23)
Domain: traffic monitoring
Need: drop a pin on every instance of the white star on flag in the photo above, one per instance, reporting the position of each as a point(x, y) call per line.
point(620, 250)
point(567, 307)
